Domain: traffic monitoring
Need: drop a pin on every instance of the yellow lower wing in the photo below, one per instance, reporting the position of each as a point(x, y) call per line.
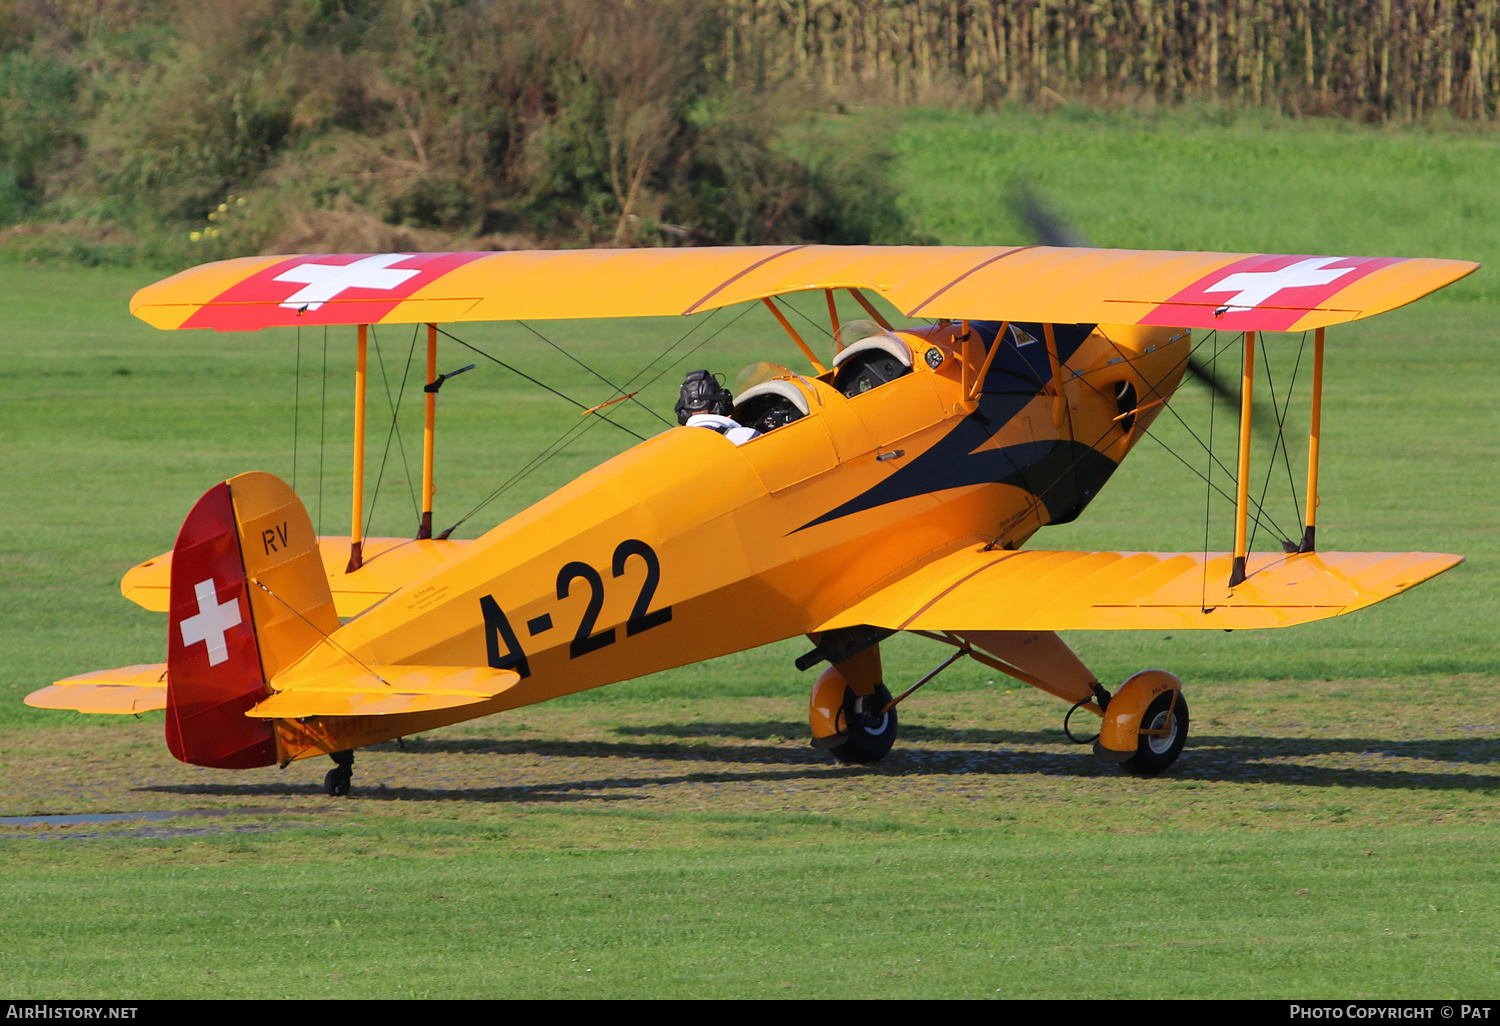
point(397, 689)
point(1059, 591)
point(129, 689)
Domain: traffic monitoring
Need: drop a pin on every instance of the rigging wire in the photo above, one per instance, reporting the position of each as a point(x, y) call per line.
point(693, 350)
point(322, 428)
point(296, 404)
point(582, 427)
point(595, 373)
point(1166, 404)
point(1280, 440)
point(1208, 494)
point(534, 381)
point(395, 408)
point(1259, 510)
point(804, 316)
point(667, 351)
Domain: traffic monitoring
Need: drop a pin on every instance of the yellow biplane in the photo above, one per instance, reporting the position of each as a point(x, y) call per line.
point(892, 490)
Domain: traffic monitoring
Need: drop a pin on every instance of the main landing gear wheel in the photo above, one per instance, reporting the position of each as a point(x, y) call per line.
point(1156, 752)
point(871, 731)
point(336, 781)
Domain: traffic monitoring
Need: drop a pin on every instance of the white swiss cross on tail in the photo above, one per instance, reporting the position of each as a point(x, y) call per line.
point(212, 622)
point(325, 281)
point(1252, 288)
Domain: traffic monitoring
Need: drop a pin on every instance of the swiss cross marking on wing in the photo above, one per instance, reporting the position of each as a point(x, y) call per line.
point(1252, 288)
point(212, 622)
point(325, 281)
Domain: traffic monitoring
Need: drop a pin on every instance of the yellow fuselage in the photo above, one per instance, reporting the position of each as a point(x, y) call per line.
point(686, 546)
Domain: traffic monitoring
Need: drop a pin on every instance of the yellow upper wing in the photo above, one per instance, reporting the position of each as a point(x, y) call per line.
point(1234, 291)
point(1058, 591)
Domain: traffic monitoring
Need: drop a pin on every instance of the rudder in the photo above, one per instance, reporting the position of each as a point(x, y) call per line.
point(248, 597)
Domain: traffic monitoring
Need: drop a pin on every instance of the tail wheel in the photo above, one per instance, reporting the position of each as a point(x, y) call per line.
point(872, 732)
point(1157, 751)
point(336, 782)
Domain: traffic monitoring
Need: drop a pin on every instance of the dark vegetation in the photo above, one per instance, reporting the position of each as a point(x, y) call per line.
point(179, 132)
point(171, 131)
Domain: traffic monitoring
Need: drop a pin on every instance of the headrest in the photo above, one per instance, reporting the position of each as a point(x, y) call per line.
point(779, 387)
point(884, 343)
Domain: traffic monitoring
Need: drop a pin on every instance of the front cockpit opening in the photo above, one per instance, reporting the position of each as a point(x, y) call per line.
point(865, 356)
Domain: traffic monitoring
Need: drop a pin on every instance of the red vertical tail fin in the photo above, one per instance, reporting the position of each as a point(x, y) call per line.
point(240, 612)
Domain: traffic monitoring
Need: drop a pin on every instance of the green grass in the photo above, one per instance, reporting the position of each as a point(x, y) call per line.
point(845, 912)
point(492, 854)
point(1213, 179)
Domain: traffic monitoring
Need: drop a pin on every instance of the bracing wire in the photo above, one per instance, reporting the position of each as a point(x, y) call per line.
point(821, 327)
point(1259, 511)
point(579, 429)
point(703, 323)
point(1280, 442)
point(1208, 494)
point(395, 408)
point(322, 428)
point(296, 404)
point(601, 377)
point(1166, 405)
point(539, 384)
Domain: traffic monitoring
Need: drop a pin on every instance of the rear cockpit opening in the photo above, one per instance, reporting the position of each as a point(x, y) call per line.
point(770, 405)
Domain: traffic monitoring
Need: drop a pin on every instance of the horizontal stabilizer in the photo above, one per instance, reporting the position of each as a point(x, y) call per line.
point(388, 564)
point(1059, 591)
point(129, 689)
point(397, 689)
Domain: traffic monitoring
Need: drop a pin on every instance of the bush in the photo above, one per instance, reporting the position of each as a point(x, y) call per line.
point(572, 122)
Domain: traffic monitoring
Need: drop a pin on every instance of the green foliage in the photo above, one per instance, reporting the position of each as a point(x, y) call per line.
point(522, 122)
point(36, 119)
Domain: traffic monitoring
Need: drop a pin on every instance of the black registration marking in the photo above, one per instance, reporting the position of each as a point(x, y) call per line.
point(269, 537)
point(584, 642)
point(640, 620)
point(496, 630)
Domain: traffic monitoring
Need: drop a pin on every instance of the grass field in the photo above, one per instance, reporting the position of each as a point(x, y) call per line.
point(1330, 831)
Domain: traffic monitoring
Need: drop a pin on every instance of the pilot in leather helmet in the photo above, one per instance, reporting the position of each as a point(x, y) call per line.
point(705, 402)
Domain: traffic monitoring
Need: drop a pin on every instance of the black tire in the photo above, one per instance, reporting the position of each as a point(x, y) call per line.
point(870, 736)
point(1156, 754)
point(337, 780)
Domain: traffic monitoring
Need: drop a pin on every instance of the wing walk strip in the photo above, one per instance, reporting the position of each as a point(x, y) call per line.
point(982, 264)
point(740, 274)
point(1054, 591)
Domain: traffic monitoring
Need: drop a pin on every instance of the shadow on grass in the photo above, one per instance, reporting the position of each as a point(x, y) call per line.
point(1381, 762)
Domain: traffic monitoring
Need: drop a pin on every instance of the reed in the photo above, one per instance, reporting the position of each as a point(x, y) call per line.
point(1376, 60)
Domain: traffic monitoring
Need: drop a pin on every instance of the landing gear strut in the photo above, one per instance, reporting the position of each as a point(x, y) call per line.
point(336, 782)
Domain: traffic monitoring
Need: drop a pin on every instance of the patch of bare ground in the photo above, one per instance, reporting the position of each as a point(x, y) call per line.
point(1348, 753)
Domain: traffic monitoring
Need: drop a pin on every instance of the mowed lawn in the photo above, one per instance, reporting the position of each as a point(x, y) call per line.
point(1330, 831)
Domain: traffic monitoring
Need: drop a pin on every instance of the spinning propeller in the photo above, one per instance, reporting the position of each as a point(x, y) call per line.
point(1048, 227)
